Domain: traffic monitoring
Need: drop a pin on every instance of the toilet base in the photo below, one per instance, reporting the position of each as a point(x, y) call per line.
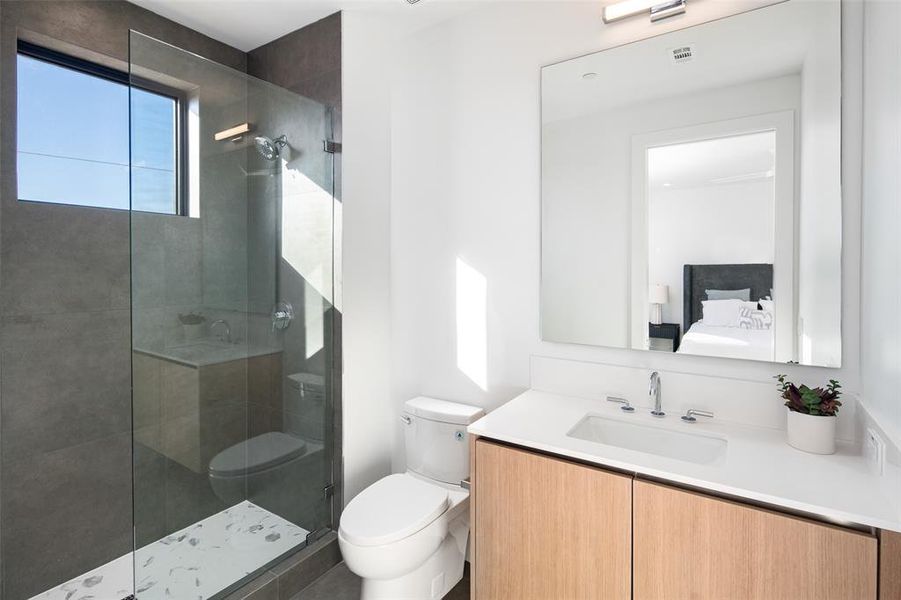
point(431, 580)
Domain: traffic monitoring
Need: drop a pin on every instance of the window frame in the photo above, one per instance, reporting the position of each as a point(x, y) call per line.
point(60, 59)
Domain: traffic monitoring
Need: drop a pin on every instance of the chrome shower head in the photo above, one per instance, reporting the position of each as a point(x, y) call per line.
point(269, 148)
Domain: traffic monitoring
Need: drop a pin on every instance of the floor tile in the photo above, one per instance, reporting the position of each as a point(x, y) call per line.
point(196, 562)
point(340, 584)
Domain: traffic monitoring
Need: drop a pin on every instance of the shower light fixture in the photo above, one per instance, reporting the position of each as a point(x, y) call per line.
point(232, 133)
point(656, 8)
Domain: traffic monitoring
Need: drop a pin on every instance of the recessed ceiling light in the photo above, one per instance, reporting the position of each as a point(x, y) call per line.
point(590, 75)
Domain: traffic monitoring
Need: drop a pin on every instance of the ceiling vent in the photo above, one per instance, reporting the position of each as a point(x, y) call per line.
point(682, 54)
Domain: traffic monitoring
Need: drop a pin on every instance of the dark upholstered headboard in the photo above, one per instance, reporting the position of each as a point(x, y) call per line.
point(697, 278)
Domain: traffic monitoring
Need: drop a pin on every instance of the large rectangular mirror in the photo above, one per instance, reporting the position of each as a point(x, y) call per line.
point(691, 190)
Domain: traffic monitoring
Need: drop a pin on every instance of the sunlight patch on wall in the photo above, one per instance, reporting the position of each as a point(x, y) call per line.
point(307, 230)
point(472, 324)
point(314, 321)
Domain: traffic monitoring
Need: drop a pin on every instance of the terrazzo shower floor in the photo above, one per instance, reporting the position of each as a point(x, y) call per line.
point(194, 563)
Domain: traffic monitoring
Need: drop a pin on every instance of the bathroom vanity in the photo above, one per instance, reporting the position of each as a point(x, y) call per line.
point(685, 186)
point(565, 510)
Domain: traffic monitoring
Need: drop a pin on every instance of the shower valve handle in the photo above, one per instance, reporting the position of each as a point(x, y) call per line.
point(281, 316)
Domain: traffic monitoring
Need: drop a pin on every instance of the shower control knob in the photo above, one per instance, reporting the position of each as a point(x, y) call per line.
point(282, 315)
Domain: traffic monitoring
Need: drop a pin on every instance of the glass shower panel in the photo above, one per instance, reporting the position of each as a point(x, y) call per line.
point(231, 339)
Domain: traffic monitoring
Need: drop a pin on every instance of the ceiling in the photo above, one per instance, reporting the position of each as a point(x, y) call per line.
point(248, 24)
point(244, 24)
point(733, 159)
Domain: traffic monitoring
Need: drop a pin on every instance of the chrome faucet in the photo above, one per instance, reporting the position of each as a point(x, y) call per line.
point(626, 406)
point(654, 393)
point(225, 337)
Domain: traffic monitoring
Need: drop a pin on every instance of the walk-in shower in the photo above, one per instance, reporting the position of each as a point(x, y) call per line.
point(232, 347)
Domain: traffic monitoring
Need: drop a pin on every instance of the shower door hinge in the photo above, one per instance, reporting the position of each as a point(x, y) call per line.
point(331, 146)
point(328, 491)
point(315, 535)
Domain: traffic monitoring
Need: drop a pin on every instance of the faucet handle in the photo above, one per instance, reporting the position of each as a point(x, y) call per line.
point(689, 416)
point(626, 406)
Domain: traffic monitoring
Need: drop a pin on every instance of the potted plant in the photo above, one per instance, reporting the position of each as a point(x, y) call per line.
point(192, 325)
point(811, 415)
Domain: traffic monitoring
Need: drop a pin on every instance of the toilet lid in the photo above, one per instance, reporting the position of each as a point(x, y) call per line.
point(257, 453)
point(391, 509)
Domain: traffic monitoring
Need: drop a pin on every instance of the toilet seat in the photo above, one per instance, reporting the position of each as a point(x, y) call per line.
point(256, 454)
point(393, 508)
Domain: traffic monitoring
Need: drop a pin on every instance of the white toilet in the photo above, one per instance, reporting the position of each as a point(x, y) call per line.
point(406, 534)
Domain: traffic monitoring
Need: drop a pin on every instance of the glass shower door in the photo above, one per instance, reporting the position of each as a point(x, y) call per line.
point(232, 230)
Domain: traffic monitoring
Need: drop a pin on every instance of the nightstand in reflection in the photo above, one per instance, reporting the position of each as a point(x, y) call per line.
point(664, 337)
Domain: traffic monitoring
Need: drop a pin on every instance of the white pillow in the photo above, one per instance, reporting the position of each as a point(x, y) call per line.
point(749, 305)
point(768, 305)
point(721, 313)
point(754, 319)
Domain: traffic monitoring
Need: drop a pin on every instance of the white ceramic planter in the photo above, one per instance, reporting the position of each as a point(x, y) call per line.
point(811, 433)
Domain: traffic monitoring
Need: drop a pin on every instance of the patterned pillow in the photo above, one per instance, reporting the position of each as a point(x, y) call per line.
point(754, 319)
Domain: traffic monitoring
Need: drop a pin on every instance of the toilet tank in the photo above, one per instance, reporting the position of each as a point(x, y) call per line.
point(436, 442)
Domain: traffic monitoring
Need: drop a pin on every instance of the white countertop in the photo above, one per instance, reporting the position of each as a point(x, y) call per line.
point(759, 465)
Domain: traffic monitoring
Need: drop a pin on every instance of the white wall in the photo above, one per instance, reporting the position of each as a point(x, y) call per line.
point(464, 159)
point(368, 411)
point(707, 225)
point(881, 292)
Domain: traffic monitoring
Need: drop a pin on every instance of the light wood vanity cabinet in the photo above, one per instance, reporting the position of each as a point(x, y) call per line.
point(890, 566)
point(689, 545)
point(546, 528)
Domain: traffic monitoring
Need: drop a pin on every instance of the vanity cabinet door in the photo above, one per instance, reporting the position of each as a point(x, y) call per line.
point(890, 566)
point(546, 529)
point(689, 545)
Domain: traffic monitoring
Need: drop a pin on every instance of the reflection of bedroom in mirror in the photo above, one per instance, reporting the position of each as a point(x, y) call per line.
point(695, 206)
point(712, 201)
point(718, 235)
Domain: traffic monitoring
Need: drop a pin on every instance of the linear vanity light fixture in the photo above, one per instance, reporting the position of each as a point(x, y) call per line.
point(657, 9)
point(232, 133)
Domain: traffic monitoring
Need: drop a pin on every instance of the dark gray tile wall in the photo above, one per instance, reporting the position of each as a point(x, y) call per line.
point(65, 413)
point(306, 61)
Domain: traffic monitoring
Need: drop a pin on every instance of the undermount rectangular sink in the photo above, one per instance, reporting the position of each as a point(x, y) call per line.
point(689, 447)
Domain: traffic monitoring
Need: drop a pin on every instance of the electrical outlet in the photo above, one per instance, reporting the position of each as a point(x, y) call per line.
point(874, 450)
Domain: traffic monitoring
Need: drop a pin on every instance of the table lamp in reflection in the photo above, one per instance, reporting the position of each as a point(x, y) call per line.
point(658, 295)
